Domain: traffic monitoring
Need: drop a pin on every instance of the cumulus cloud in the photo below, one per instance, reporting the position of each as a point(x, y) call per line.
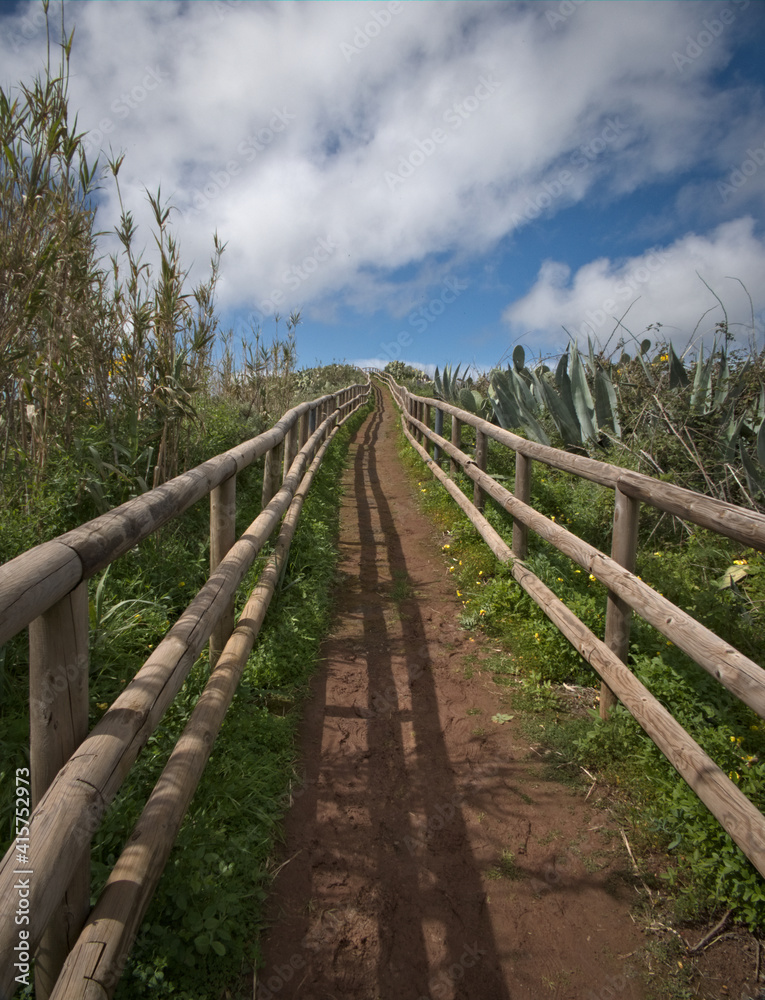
point(666, 285)
point(409, 136)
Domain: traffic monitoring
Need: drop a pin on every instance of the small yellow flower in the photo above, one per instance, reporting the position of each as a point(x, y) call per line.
point(451, 569)
point(481, 612)
point(182, 583)
point(102, 705)
point(577, 571)
point(740, 562)
point(560, 579)
point(480, 572)
point(592, 576)
point(553, 517)
point(460, 562)
point(459, 593)
point(445, 548)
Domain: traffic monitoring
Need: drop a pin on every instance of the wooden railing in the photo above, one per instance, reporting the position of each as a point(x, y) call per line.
point(45, 875)
point(626, 592)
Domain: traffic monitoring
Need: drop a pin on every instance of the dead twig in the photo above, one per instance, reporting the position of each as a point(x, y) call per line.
point(705, 941)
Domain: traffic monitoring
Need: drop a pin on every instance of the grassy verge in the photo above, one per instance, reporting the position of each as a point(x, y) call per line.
point(200, 933)
point(706, 873)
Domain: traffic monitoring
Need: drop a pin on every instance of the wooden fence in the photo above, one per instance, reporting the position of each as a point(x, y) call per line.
point(626, 592)
point(45, 875)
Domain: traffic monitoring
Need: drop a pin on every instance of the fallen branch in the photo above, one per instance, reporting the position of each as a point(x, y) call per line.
point(706, 940)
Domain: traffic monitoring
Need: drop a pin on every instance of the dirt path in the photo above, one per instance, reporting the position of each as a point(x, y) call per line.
point(427, 855)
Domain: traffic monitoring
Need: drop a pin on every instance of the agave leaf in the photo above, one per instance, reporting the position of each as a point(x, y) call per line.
point(583, 404)
point(646, 366)
point(467, 400)
point(519, 358)
point(677, 373)
point(731, 433)
point(753, 474)
point(564, 387)
point(503, 400)
point(606, 408)
point(563, 417)
point(522, 391)
point(702, 379)
point(733, 574)
point(439, 384)
point(721, 390)
point(591, 352)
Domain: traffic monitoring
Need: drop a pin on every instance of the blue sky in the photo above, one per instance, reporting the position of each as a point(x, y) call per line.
point(438, 181)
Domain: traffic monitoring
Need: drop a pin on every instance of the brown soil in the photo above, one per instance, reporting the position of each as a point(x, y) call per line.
point(428, 853)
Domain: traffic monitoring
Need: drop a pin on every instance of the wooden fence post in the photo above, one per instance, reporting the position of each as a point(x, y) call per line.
point(58, 723)
point(426, 421)
point(624, 546)
point(457, 442)
point(480, 461)
point(311, 420)
point(522, 492)
point(271, 470)
point(304, 431)
point(222, 537)
point(290, 449)
point(439, 429)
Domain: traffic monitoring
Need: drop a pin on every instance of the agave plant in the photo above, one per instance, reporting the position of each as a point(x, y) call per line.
point(449, 389)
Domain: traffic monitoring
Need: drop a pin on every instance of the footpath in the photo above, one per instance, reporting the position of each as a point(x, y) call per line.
point(428, 854)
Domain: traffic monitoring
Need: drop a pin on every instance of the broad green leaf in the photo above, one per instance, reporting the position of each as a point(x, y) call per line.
point(677, 373)
point(583, 403)
point(519, 358)
point(605, 403)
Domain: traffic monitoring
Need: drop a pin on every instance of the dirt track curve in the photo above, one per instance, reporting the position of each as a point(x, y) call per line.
point(393, 885)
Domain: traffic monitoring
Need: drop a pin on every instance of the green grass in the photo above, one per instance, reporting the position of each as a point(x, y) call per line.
point(707, 871)
point(202, 927)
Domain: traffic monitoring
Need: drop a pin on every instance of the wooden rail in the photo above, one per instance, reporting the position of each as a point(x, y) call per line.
point(626, 592)
point(76, 775)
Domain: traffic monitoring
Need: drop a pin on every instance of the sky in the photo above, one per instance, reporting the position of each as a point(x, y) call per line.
point(437, 181)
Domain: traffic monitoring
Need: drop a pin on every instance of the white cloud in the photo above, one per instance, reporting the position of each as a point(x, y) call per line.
point(260, 122)
point(663, 286)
